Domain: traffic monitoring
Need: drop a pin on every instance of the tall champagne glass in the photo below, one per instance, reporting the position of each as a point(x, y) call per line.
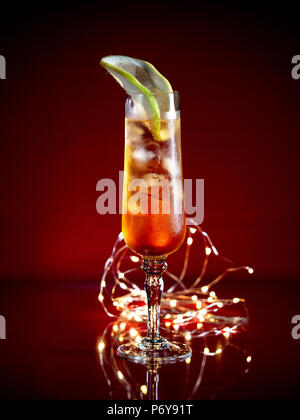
point(153, 221)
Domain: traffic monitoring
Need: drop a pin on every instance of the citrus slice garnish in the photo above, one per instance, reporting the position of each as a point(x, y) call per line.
point(139, 76)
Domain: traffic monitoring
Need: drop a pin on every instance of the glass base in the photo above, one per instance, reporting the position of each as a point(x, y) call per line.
point(160, 352)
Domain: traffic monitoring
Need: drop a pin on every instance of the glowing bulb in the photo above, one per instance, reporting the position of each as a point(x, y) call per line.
point(220, 305)
point(206, 350)
point(188, 336)
point(101, 346)
point(204, 289)
point(120, 375)
point(189, 241)
point(168, 316)
point(212, 294)
point(121, 339)
point(193, 230)
point(199, 325)
point(168, 324)
point(199, 305)
point(133, 332)
point(176, 327)
point(115, 328)
point(235, 300)
point(207, 250)
point(103, 283)
point(219, 350)
point(210, 300)
point(173, 303)
point(123, 286)
point(122, 326)
point(249, 358)
point(134, 258)
point(250, 270)
point(100, 297)
point(188, 361)
point(226, 334)
point(194, 298)
point(121, 275)
point(144, 389)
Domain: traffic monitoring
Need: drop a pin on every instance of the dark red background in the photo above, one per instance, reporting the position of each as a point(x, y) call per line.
point(61, 129)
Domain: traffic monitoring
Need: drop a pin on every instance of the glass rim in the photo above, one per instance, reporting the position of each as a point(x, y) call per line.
point(175, 92)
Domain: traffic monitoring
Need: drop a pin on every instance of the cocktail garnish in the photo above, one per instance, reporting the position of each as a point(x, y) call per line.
point(139, 76)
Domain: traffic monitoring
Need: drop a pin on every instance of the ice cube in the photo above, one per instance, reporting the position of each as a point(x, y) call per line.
point(147, 153)
point(143, 155)
point(133, 132)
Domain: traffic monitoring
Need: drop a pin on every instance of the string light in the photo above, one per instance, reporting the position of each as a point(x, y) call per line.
point(207, 250)
point(144, 389)
point(226, 332)
point(199, 305)
point(137, 339)
point(190, 241)
point(173, 303)
point(115, 369)
point(133, 332)
point(189, 309)
point(188, 336)
point(101, 346)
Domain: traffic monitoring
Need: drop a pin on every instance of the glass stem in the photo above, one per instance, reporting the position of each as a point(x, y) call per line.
point(154, 285)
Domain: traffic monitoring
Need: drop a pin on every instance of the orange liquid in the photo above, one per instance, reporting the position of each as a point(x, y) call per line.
point(157, 164)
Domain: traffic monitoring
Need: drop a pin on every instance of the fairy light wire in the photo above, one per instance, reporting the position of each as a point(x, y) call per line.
point(195, 308)
point(187, 312)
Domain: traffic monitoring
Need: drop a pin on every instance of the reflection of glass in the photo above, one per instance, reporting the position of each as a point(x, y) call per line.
point(153, 222)
point(152, 380)
point(155, 380)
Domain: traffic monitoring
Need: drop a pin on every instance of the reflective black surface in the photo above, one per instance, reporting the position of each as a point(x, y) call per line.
point(53, 331)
